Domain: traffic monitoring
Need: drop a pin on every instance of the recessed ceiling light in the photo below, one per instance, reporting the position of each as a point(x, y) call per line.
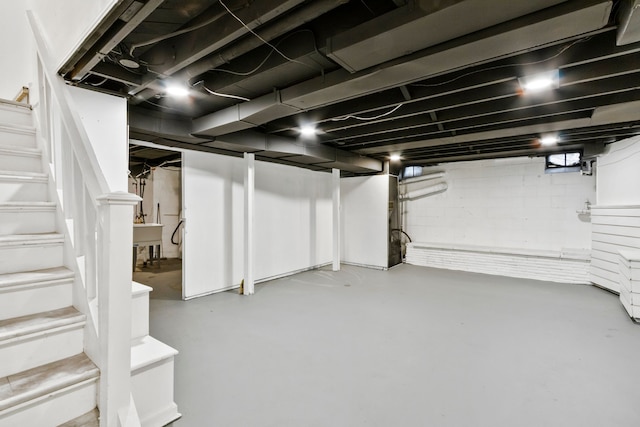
point(176, 91)
point(307, 130)
point(394, 157)
point(549, 140)
point(540, 82)
point(129, 62)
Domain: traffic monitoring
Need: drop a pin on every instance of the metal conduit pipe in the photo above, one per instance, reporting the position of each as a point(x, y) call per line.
point(270, 32)
point(423, 192)
point(420, 178)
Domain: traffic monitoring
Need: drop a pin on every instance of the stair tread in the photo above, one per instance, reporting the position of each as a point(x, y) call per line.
point(8, 126)
point(15, 106)
point(27, 204)
point(45, 379)
point(26, 277)
point(90, 419)
point(148, 351)
point(20, 149)
point(22, 174)
point(26, 239)
point(24, 325)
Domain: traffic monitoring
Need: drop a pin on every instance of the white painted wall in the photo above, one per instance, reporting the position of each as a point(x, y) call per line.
point(105, 121)
point(503, 203)
point(618, 174)
point(293, 223)
point(292, 226)
point(364, 221)
point(213, 211)
point(16, 48)
point(67, 23)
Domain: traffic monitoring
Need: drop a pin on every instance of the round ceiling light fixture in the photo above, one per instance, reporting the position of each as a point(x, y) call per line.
point(129, 62)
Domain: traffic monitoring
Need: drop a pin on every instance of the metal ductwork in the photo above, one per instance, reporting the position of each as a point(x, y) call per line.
point(286, 149)
point(566, 20)
point(629, 29)
point(421, 24)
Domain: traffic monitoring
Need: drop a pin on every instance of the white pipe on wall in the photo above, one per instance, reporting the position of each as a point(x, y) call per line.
point(423, 178)
point(427, 191)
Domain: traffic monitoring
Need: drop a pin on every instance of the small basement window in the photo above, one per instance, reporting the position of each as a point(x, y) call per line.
point(563, 162)
point(411, 172)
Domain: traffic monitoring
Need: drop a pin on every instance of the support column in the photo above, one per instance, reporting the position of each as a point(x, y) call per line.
point(115, 240)
point(249, 208)
point(335, 180)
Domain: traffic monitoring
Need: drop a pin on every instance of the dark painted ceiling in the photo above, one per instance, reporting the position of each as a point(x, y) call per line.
point(432, 80)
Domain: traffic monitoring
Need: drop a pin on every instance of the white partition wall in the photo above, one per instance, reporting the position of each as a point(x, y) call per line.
point(292, 226)
point(365, 220)
point(212, 189)
point(293, 222)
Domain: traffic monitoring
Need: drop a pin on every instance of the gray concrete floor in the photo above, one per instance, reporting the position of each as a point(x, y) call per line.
point(408, 347)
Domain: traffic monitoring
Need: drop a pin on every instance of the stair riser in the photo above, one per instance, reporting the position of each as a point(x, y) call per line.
point(16, 259)
point(16, 138)
point(20, 162)
point(152, 390)
point(26, 300)
point(15, 115)
point(14, 191)
point(139, 316)
point(39, 349)
point(54, 409)
point(27, 221)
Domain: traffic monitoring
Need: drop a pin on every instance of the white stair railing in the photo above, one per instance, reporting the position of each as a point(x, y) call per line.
point(98, 231)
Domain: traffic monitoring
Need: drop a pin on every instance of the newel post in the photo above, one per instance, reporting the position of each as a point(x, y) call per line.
point(115, 240)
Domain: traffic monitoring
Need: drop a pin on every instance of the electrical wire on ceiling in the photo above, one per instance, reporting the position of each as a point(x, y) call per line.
point(264, 41)
point(350, 116)
point(163, 106)
point(175, 33)
point(222, 95)
point(563, 50)
point(248, 73)
point(367, 6)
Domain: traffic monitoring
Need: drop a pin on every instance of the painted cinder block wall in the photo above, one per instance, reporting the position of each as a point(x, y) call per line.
point(503, 203)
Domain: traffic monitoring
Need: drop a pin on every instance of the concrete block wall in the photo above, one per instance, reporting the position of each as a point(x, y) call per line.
point(539, 265)
point(503, 203)
point(505, 217)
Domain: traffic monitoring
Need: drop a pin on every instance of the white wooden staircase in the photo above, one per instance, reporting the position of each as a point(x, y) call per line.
point(46, 379)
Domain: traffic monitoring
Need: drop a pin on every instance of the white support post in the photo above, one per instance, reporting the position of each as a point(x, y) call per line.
point(115, 240)
point(335, 180)
point(249, 193)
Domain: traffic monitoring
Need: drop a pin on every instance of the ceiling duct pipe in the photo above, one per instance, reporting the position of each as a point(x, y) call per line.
point(376, 41)
point(566, 20)
point(227, 54)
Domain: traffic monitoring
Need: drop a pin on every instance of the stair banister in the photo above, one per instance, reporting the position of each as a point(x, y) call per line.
point(98, 226)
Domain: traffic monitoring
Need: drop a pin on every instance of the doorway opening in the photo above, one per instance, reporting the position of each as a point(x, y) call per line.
point(155, 175)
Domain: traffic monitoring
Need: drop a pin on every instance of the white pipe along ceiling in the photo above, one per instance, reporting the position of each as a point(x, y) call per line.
point(345, 84)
